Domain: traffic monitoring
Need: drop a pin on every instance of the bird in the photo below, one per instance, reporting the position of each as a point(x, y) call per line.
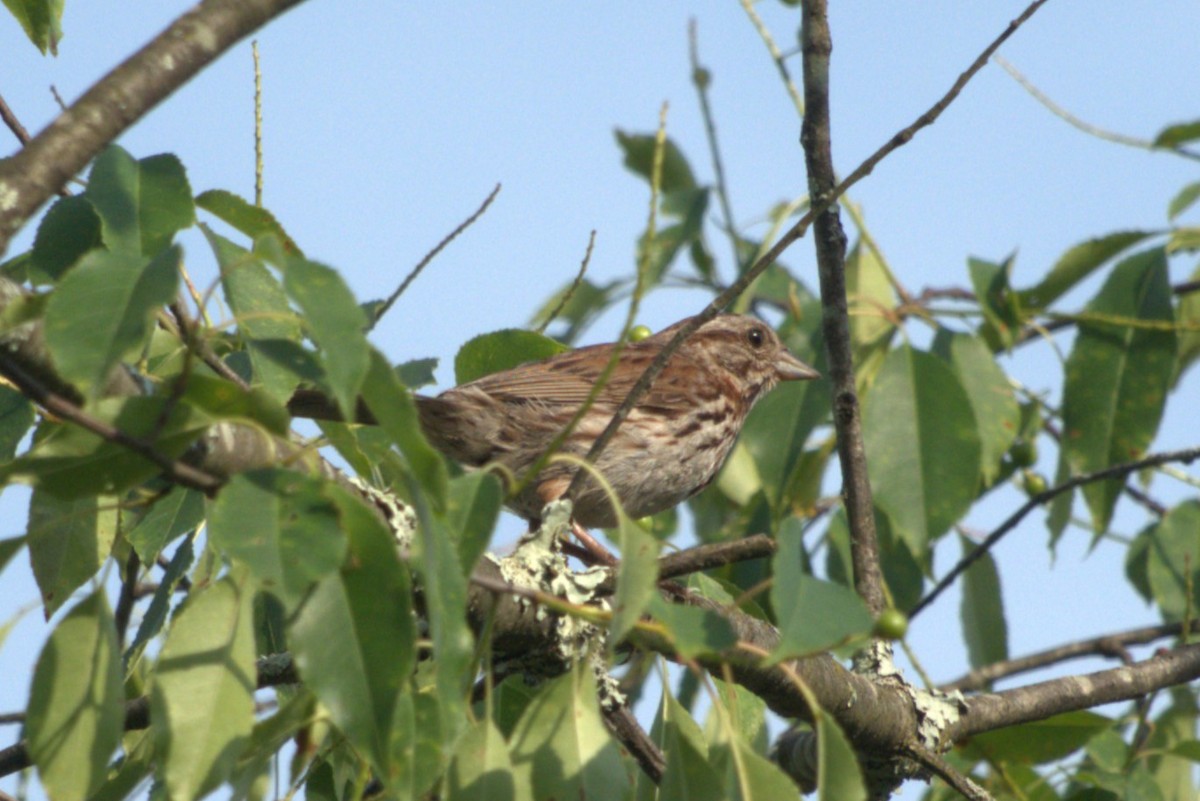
point(671, 446)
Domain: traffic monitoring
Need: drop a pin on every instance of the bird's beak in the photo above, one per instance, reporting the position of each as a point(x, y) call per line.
point(789, 368)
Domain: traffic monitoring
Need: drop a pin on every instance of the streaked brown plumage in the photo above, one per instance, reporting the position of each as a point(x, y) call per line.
point(669, 448)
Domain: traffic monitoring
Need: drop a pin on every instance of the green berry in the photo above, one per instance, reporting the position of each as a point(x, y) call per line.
point(1023, 452)
point(638, 333)
point(1034, 483)
point(892, 624)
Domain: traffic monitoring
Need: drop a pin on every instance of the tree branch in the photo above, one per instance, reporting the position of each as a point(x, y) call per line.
point(830, 241)
point(1110, 645)
point(1072, 693)
point(118, 100)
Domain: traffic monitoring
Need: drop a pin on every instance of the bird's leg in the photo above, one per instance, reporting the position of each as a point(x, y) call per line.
point(597, 554)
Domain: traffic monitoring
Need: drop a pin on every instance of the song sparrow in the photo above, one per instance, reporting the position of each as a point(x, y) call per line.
point(668, 449)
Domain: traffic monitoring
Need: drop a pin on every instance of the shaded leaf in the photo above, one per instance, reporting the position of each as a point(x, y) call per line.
point(1173, 560)
point(179, 511)
point(224, 400)
point(560, 747)
point(76, 706)
point(1188, 317)
point(70, 229)
point(155, 616)
point(417, 373)
point(103, 309)
point(923, 444)
point(482, 770)
point(692, 630)
point(353, 638)
point(261, 307)
point(473, 506)
point(839, 778)
point(637, 577)
point(1183, 200)
point(337, 323)
point(1039, 742)
point(16, 417)
point(393, 407)
point(1178, 134)
point(1078, 263)
point(141, 204)
point(68, 540)
point(997, 415)
point(813, 614)
point(982, 612)
point(639, 157)
point(502, 350)
point(997, 301)
point(282, 525)
point(253, 221)
point(1117, 375)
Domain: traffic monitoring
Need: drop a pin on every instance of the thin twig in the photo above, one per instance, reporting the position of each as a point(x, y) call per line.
point(177, 471)
point(583, 265)
point(128, 595)
point(1110, 645)
point(200, 346)
point(798, 230)
point(14, 124)
point(776, 55)
point(1076, 122)
point(424, 262)
point(258, 126)
point(1186, 456)
point(948, 773)
point(701, 78)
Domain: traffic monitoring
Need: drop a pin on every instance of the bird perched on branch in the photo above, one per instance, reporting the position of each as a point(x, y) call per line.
point(671, 445)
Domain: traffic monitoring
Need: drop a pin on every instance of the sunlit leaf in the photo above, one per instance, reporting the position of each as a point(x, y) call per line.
point(68, 541)
point(203, 692)
point(1077, 264)
point(1117, 375)
point(251, 220)
point(76, 706)
point(502, 350)
point(1041, 741)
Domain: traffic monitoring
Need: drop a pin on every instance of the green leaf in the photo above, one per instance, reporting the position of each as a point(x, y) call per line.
point(353, 639)
point(76, 706)
point(179, 511)
point(160, 604)
point(1117, 375)
point(688, 775)
point(637, 578)
point(261, 307)
point(394, 409)
point(502, 350)
point(482, 770)
point(871, 298)
point(639, 157)
point(103, 311)
point(202, 698)
point(1178, 134)
point(8, 549)
point(70, 229)
point(41, 21)
point(997, 301)
point(253, 221)
point(16, 417)
point(1188, 317)
point(984, 628)
point(337, 323)
point(224, 400)
point(813, 614)
point(693, 631)
point(1173, 560)
point(923, 444)
point(1077, 264)
point(748, 776)
point(586, 300)
point(1183, 200)
point(141, 204)
point(560, 747)
point(68, 540)
point(997, 415)
point(282, 525)
point(1039, 742)
point(839, 778)
point(417, 373)
point(472, 508)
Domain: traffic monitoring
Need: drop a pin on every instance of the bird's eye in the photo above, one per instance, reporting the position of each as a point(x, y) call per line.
point(755, 337)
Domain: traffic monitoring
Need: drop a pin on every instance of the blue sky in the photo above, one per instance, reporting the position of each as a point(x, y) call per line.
point(387, 124)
